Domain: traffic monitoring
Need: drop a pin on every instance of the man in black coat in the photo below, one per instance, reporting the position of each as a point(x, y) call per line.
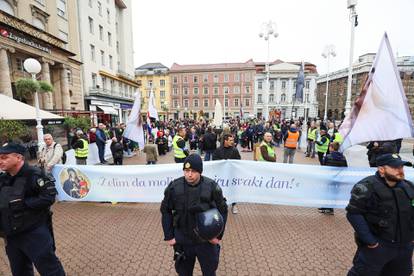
point(209, 143)
point(228, 151)
point(335, 159)
point(184, 199)
point(26, 195)
point(381, 212)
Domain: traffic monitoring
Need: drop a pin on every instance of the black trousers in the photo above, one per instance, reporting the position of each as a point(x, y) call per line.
point(384, 260)
point(320, 157)
point(101, 152)
point(118, 161)
point(207, 255)
point(33, 247)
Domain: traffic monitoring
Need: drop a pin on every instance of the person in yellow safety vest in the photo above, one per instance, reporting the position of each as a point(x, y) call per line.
point(178, 144)
point(291, 142)
point(81, 148)
point(322, 145)
point(337, 137)
point(310, 150)
point(266, 149)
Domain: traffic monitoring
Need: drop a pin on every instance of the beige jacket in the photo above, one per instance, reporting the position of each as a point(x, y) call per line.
point(50, 156)
point(151, 151)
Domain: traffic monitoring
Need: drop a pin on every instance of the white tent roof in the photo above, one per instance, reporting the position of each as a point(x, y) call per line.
point(11, 109)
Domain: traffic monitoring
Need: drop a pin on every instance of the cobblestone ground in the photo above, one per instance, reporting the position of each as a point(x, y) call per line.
point(126, 239)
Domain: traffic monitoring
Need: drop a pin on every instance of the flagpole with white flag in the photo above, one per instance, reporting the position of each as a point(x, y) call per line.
point(381, 111)
point(152, 110)
point(133, 130)
point(218, 114)
point(151, 113)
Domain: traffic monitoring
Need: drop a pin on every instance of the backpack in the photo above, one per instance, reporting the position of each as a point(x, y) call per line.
point(63, 156)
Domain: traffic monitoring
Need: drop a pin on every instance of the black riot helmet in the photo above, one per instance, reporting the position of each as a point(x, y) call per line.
point(209, 224)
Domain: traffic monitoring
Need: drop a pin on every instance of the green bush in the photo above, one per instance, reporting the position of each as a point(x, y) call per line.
point(11, 130)
point(26, 87)
point(81, 122)
point(45, 87)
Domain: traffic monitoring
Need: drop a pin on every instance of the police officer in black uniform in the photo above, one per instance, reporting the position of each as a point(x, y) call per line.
point(381, 212)
point(184, 199)
point(26, 195)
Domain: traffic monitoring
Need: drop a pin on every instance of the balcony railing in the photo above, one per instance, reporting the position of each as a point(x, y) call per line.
point(125, 75)
point(95, 91)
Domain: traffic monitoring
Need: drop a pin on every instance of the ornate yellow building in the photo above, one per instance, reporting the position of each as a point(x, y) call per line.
point(155, 77)
point(42, 29)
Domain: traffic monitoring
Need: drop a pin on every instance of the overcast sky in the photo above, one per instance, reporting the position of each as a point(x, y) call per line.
point(216, 31)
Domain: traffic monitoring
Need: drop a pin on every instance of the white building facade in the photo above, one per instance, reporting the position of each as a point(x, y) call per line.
point(282, 88)
point(106, 43)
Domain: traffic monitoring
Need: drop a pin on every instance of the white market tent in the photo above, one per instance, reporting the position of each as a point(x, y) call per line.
point(11, 109)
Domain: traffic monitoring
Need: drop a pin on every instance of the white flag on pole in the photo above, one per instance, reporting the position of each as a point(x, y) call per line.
point(133, 130)
point(381, 111)
point(152, 110)
point(218, 114)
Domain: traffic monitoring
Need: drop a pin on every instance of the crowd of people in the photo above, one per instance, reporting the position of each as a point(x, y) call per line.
point(380, 208)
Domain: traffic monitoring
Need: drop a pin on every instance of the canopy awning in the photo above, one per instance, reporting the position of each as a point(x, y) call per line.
point(11, 109)
point(108, 109)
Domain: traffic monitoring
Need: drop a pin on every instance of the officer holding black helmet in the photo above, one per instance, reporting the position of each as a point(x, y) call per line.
point(194, 214)
point(26, 195)
point(381, 211)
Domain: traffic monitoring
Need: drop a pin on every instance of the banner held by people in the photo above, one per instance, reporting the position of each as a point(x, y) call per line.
point(381, 111)
point(241, 181)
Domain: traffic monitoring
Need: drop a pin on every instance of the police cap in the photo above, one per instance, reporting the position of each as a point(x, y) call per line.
point(12, 148)
point(392, 160)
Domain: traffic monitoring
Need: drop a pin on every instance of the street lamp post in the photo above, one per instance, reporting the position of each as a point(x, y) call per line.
point(166, 105)
point(33, 67)
point(327, 53)
point(268, 30)
point(354, 23)
point(178, 112)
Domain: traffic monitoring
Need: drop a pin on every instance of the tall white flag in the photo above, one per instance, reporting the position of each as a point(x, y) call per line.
point(218, 114)
point(152, 110)
point(381, 111)
point(133, 130)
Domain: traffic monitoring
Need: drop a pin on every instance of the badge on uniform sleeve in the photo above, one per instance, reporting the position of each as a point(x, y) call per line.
point(187, 165)
point(40, 182)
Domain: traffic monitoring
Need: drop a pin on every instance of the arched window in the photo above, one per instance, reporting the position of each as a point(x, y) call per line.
point(39, 24)
point(6, 7)
point(283, 97)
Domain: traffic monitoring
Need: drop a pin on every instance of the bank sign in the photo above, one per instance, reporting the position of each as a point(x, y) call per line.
point(23, 40)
